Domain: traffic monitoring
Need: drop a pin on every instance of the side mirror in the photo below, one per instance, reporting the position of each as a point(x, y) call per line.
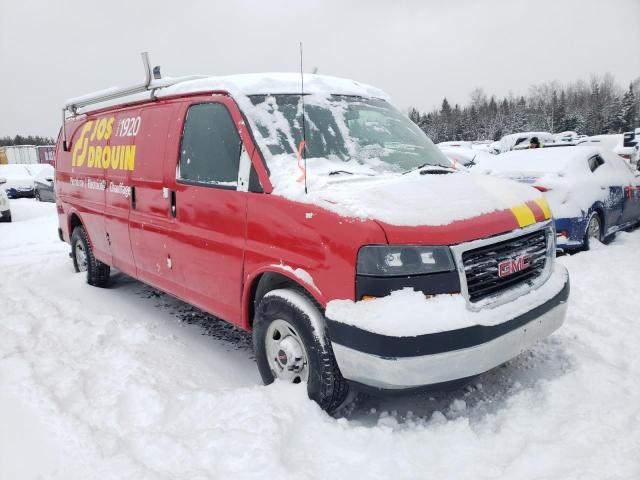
point(629, 139)
point(50, 180)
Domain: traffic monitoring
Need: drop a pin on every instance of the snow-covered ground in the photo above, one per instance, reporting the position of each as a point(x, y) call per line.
point(128, 383)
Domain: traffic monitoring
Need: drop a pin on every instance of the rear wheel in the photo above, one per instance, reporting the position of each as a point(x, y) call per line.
point(291, 345)
point(85, 261)
point(594, 230)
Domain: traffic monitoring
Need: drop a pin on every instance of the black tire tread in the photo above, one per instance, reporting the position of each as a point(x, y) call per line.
point(333, 388)
point(97, 272)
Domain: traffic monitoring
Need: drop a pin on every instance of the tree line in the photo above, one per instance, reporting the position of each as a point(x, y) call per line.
point(26, 140)
point(597, 106)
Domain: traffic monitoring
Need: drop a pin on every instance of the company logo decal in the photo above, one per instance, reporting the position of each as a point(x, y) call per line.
point(513, 265)
point(91, 148)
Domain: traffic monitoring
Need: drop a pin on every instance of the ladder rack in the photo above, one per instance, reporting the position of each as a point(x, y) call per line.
point(152, 82)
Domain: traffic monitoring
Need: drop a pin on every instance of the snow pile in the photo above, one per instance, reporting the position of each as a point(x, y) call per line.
point(106, 383)
point(407, 313)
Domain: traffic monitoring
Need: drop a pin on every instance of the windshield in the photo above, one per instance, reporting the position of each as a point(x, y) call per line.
point(346, 134)
point(14, 170)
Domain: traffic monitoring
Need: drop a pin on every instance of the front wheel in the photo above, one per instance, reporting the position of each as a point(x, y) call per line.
point(594, 230)
point(37, 195)
point(291, 345)
point(85, 261)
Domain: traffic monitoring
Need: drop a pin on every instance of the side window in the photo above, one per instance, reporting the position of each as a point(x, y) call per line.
point(211, 146)
point(595, 162)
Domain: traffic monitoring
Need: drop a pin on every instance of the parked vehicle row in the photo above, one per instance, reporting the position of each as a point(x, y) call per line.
point(593, 193)
point(5, 208)
point(28, 181)
point(214, 192)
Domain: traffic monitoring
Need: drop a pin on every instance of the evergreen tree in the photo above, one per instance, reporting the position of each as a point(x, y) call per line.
point(628, 110)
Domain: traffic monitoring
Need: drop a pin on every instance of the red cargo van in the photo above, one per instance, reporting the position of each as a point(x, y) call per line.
point(327, 224)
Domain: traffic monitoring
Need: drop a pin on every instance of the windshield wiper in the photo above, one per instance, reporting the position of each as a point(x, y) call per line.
point(347, 172)
point(424, 165)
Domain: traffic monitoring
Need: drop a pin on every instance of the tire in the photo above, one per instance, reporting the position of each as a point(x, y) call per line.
point(285, 318)
point(36, 194)
point(593, 230)
point(84, 260)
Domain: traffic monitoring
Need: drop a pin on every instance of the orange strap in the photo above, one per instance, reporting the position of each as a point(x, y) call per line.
point(303, 175)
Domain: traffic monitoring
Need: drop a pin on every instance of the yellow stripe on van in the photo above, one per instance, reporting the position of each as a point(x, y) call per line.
point(544, 206)
point(524, 215)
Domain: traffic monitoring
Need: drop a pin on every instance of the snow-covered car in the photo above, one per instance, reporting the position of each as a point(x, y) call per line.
point(630, 149)
point(517, 141)
point(465, 156)
point(593, 193)
point(351, 248)
point(455, 143)
point(568, 136)
point(5, 208)
point(19, 180)
point(43, 184)
point(615, 143)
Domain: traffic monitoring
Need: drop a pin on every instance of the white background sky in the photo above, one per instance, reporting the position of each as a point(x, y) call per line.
point(417, 51)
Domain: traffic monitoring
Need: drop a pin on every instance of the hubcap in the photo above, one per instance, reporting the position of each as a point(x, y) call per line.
point(286, 353)
point(594, 228)
point(81, 257)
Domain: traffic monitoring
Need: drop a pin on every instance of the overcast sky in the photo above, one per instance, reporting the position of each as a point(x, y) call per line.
point(417, 51)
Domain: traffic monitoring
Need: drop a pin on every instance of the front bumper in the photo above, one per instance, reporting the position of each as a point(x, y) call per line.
point(396, 363)
point(574, 231)
point(5, 215)
point(20, 193)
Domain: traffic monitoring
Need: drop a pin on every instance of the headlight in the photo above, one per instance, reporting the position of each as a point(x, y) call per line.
point(397, 260)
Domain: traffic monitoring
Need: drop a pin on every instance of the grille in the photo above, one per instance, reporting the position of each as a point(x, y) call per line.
point(481, 264)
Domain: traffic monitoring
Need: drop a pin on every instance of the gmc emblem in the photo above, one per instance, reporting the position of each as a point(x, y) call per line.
point(513, 265)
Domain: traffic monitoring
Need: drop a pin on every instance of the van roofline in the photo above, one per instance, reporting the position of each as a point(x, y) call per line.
point(143, 101)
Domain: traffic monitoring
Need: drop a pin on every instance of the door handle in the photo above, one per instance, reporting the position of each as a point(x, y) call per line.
point(173, 204)
point(133, 197)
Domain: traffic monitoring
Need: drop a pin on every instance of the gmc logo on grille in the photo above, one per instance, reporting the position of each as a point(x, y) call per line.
point(513, 265)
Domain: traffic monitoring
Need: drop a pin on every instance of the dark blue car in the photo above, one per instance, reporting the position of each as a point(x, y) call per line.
point(592, 192)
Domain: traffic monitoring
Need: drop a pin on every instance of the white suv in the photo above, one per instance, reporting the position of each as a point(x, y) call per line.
point(5, 212)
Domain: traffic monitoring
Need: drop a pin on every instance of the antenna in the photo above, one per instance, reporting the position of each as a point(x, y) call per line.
point(303, 144)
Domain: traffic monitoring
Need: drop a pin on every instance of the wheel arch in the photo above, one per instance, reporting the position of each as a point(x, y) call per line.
point(599, 209)
point(73, 221)
point(265, 280)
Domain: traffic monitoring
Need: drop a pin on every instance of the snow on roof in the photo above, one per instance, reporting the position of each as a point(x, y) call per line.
point(275, 83)
point(537, 160)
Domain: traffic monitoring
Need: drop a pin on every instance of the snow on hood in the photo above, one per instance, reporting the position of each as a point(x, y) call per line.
point(405, 200)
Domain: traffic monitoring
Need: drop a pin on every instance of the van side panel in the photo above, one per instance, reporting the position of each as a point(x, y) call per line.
point(151, 219)
point(119, 165)
point(81, 183)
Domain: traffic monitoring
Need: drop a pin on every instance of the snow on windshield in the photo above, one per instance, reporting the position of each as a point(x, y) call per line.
point(344, 135)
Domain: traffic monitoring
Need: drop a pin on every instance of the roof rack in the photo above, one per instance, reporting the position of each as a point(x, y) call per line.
point(152, 81)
